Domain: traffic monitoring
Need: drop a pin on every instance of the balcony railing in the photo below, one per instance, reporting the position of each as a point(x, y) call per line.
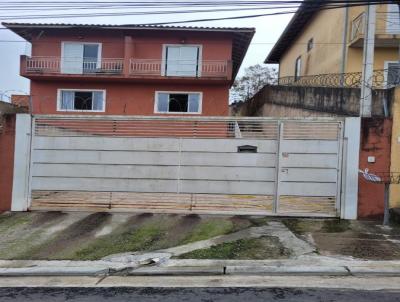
point(386, 23)
point(179, 68)
point(59, 65)
point(151, 68)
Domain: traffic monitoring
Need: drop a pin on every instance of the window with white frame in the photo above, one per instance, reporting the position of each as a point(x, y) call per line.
point(178, 102)
point(79, 58)
point(182, 60)
point(81, 100)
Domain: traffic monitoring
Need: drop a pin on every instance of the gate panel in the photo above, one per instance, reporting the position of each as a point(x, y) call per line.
point(187, 164)
point(309, 168)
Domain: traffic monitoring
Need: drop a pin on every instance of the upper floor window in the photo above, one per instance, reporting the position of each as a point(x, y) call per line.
point(178, 102)
point(392, 19)
point(310, 44)
point(81, 100)
point(297, 70)
point(182, 60)
point(78, 58)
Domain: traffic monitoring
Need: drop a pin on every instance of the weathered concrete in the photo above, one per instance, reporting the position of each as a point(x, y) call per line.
point(303, 101)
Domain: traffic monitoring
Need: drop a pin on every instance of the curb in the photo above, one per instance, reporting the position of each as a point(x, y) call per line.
point(296, 270)
point(53, 271)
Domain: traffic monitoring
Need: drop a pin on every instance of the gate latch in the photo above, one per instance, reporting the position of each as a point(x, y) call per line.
point(247, 149)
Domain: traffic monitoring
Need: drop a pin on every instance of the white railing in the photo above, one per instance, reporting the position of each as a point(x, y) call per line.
point(74, 65)
point(185, 68)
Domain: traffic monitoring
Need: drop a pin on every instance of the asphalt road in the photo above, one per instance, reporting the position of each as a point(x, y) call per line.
point(193, 295)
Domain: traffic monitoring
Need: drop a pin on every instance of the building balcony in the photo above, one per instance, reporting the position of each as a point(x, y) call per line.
point(387, 30)
point(125, 70)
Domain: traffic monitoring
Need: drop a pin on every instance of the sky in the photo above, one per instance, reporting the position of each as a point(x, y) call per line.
point(268, 30)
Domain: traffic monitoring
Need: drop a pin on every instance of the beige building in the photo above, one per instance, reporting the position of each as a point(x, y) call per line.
point(326, 41)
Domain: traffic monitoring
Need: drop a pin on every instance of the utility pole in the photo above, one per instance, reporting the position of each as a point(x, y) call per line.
point(368, 62)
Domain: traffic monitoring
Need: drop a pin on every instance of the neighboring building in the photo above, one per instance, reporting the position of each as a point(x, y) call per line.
point(7, 137)
point(330, 41)
point(131, 69)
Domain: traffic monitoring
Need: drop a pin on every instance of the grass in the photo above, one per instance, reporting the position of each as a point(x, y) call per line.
point(208, 229)
point(255, 248)
point(303, 226)
point(134, 240)
point(23, 234)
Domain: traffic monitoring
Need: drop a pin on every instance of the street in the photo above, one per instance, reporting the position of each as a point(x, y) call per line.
point(193, 294)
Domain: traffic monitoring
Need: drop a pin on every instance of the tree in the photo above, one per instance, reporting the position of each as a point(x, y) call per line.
point(255, 77)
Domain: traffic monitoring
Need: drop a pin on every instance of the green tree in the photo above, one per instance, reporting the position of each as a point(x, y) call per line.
point(255, 77)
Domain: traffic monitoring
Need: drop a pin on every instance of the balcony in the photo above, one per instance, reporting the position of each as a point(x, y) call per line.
point(126, 70)
point(56, 65)
point(179, 68)
point(387, 30)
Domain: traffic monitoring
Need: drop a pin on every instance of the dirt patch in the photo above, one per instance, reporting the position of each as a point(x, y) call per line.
point(355, 245)
point(65, 241)
point(256, 248)
point(46, 217)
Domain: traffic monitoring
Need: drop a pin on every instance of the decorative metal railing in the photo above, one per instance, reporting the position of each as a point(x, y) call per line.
point(186, 68)
point(60, 65)
point(382, 79)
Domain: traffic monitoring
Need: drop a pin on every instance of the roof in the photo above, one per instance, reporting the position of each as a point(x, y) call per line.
point(242, 36)
point(307, 10)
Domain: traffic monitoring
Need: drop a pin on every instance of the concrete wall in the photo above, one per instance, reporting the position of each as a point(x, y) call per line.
point(322, 101)
point(7, 137)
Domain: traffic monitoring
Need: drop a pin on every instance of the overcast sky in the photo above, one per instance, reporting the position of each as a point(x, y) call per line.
point(268, 30)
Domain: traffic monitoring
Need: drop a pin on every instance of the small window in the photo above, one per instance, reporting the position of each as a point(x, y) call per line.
point(393, 74)
point(177, 102)
point(81, 100)
point(297, 71)
point(310, 44)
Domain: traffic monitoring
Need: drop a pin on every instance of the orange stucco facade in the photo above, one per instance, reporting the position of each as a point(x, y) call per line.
point(126, 95)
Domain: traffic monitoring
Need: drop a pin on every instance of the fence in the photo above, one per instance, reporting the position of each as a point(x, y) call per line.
point(381, 79)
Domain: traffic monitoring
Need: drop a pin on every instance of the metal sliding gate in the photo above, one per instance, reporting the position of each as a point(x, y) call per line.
point(189, 164)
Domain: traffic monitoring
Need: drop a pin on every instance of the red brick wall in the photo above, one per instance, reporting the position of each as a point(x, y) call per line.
point(375, 141)
point(7, 138)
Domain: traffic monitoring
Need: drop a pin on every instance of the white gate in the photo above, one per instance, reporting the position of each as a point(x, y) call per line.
point(188, 164)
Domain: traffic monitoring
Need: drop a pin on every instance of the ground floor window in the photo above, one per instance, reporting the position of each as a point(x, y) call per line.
point(81, 100)
point(178, 102)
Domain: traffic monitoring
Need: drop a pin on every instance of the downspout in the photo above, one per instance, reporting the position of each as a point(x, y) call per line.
point(344, 46)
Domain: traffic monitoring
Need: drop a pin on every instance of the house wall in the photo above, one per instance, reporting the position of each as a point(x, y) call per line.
point(327, 29)
point(7, 137)
point(136, 97)
point(395, 152)
point(128, 98)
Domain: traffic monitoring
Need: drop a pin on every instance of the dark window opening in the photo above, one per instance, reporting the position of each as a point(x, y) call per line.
point(310, 44)
point(90, 56)
point(83, 100)
point(297, 71)
point(178, 103)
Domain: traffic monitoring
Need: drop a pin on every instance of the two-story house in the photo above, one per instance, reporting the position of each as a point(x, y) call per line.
point(131, 69)
point(330, 41)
